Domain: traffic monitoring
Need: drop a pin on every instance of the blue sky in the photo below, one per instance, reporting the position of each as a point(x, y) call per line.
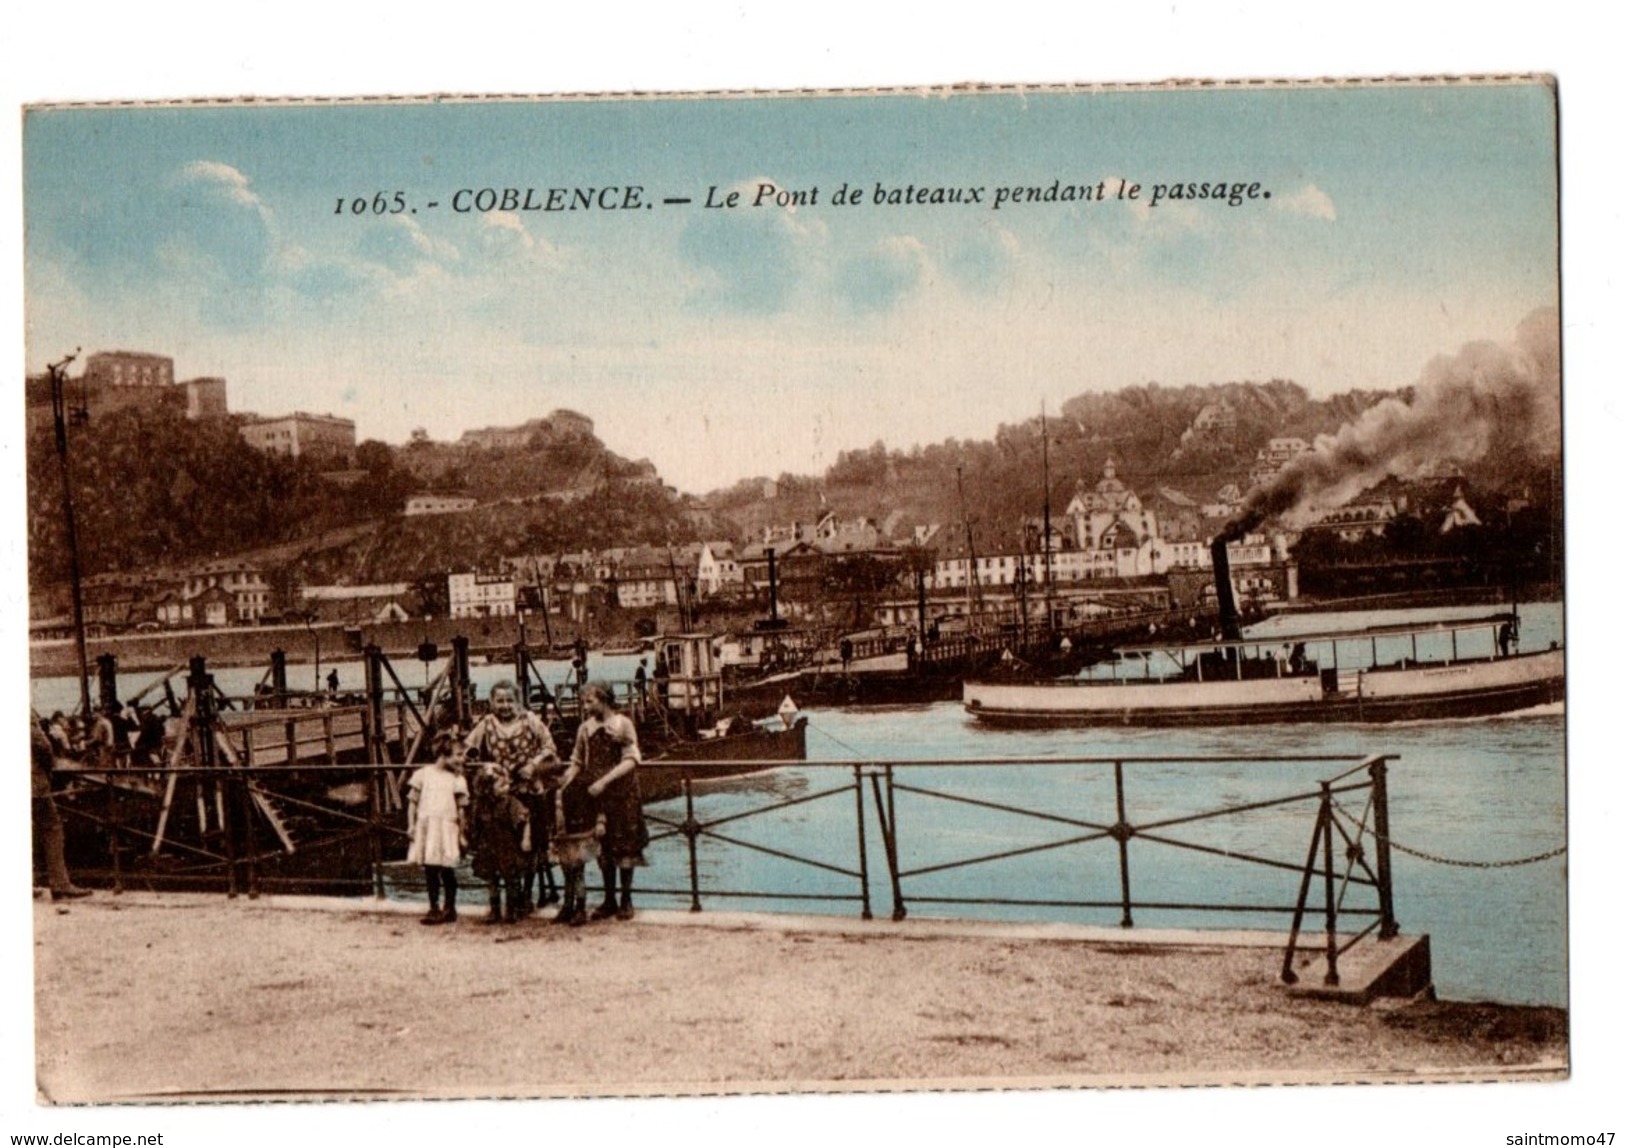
point(1401, 222)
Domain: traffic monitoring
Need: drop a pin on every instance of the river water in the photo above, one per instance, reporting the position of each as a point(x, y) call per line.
point(1463, 796)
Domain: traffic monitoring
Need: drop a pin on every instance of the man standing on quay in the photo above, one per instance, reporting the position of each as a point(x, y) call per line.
point(48, 836)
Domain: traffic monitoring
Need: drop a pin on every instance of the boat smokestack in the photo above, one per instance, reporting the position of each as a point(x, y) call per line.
point(1229, 616)
point(772, 586)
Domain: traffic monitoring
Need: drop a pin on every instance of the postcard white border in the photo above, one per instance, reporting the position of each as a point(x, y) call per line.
point(148, 51)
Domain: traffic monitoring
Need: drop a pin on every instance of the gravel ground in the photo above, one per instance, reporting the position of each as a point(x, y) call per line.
point(168, 997)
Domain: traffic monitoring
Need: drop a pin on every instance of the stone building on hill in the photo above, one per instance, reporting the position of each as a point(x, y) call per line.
point(561, 426)
point(124, 380)
point(327, 439)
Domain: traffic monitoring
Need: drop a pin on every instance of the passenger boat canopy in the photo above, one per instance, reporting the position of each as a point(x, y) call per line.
point(1501, 628)
point(1490, 622)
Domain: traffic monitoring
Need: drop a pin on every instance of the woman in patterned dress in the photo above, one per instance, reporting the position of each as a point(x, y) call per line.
point(518, 741)
point(605, 760)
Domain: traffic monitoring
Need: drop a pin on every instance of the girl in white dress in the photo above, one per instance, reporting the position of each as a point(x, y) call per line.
point(437, 798)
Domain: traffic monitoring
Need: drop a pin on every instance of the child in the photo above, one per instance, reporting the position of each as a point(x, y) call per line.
point(500, 819)
point(577, 828)
point(437, 797)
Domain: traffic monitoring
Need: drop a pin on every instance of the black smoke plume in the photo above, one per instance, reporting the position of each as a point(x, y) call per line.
point(1489, 402)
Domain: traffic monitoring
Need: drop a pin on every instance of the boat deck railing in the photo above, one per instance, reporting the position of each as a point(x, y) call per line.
point(878, 836)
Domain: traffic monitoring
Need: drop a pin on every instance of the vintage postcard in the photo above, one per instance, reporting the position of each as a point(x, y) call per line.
point(747, 593)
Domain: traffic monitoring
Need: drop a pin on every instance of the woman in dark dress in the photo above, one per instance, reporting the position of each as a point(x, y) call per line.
point(605, 761)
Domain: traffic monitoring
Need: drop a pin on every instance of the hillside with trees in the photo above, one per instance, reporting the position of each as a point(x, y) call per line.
point(153, 489)
point(618, 514)
point(156, 490)
point(1149, 430)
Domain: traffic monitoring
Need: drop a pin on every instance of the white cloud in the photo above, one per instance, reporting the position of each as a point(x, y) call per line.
point(876, 281)
point(503, 240)
point(225, 178)
point(1309, 201)
point(322, 278)
point(749, 259)
point(399, 244)
point(1170, 217)
point(209, 231)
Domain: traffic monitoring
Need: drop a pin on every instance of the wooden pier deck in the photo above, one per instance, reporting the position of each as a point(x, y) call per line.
point(328, 734)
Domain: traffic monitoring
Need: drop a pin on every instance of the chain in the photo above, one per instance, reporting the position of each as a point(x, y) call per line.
point(1558, 852)
point(1438, 860)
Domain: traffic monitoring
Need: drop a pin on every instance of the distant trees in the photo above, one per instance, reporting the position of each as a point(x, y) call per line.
point(857, 581)
point(1507, 548)
point(374, 457)
point(153, 488)
point(860, 467)
point(1146, 429)
point(386, 486)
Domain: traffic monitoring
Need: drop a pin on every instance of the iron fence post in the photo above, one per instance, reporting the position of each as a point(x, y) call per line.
point(863, 845)
point(375, 844)
point(244, 785)
point(279, 678)
point(1288, 976)
point(899, 908)
point(461, 709)
point(374, 735)
point(1389, 927)
point(113, 843)
point(374, 668)
point(691, 830)
point(1123, 831)
point(200, 684)
point(885, 811)
point(1331, 884)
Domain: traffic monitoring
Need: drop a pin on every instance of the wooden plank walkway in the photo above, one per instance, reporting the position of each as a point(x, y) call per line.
point(320, 734)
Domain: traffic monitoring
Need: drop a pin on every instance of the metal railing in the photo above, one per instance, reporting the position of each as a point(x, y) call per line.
point(242, 830)
point(1115, 831)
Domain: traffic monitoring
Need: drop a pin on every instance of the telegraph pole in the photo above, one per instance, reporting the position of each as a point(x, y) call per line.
point(973, 585)
point(1049, 572)
point(59, 414)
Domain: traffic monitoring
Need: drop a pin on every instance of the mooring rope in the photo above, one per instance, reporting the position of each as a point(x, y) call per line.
point(856, 753)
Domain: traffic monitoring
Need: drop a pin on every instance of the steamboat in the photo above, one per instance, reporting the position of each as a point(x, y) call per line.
point(1329, 676)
